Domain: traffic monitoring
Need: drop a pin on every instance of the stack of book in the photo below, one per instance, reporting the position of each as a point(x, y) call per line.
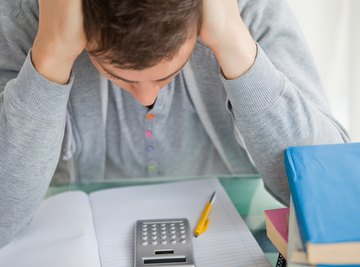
point(325, 219)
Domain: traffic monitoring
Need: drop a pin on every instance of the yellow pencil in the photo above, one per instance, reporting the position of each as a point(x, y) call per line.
point(203, 223)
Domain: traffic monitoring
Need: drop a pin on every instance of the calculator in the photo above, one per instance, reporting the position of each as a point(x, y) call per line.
point(163, 243)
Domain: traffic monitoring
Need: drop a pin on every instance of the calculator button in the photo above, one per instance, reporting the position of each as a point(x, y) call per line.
point(163, 232)
point(182, 236)
point(172, 232)
point(182, 231)
point(182, 227)
point(183, 241)
point(144, 237)
point(164, 242)
point(154, 232)
point(144, 243)
point(163, 236)
point(153, 242)
point(173, 236)
point(173, 241)
point(153, 237)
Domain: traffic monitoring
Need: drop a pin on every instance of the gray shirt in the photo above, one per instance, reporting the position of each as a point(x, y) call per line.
point(167, 140)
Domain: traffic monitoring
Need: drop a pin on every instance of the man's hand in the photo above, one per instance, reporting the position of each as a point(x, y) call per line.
point(60, 38)
point(225, 33)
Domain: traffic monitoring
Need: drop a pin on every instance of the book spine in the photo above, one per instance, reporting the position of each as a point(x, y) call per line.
point(292, 179)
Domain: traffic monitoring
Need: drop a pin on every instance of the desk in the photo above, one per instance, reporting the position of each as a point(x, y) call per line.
point(246, 192)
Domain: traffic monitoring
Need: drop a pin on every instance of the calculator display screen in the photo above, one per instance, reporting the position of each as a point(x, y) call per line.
point(164, 260)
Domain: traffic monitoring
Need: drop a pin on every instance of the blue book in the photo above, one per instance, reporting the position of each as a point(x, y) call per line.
point(325, 186)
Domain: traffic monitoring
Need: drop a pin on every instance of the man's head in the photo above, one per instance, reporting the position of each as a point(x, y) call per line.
point(141, 45)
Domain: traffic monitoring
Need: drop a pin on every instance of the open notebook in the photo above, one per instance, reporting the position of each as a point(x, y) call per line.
point(74, 229)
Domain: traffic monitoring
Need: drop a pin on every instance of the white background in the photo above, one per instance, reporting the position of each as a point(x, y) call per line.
point(332, 29)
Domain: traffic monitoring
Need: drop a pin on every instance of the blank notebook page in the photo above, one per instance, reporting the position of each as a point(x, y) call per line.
point(60, 235)
point(227, 242)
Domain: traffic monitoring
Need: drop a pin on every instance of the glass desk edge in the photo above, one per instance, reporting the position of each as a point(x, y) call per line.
point(246, 192)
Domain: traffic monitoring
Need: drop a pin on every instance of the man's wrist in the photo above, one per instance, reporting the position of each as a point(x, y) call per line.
point(51, 65)
point(235, 54)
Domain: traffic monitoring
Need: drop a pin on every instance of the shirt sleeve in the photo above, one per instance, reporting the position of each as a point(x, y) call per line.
point(279, 102)
point(32, 123)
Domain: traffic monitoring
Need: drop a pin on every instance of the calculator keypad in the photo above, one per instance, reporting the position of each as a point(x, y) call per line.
point(163, 233)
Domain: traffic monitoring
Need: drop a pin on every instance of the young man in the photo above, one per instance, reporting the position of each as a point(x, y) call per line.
point(150, 88)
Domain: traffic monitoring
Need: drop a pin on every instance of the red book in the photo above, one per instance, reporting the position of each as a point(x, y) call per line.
point(277, 221)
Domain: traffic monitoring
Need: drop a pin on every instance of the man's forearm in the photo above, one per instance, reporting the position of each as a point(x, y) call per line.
point(32, 121)
point(272, 115)
point(60, 39)
point(225, 33)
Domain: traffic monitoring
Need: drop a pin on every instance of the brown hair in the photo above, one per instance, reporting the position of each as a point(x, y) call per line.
point(138, 34)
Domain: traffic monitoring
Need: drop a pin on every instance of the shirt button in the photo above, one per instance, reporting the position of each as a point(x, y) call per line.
point(149, 134)
point(150, 116)
point(149, 149)
point(150, 167)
